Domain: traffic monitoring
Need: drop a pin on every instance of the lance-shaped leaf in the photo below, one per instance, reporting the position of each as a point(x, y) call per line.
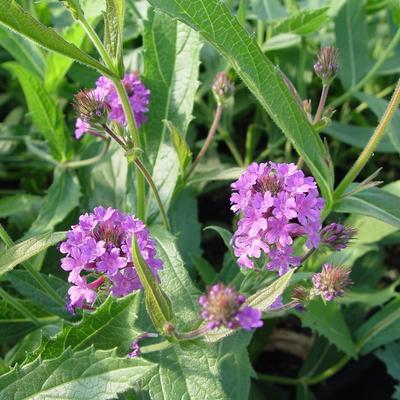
point(158, 304)
point(88, 374)
point(17, 19)
point(23, 251)
point(215, 22)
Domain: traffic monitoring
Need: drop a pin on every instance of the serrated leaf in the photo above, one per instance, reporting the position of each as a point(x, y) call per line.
point(13, 16)
point(302, 22)
point(373, 202)
point(327, 320)
point(390, 355)
point(215, 22)
point(62, 197)
point(110, 326)
point(172, 80)
point(23, 251)
point(382, 328)
point(84, 375)
point(45, 113)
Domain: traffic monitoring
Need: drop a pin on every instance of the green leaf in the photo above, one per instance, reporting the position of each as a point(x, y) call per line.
point(181, 147)
point(84, 375)
point(382, 328)
point(110, 326)
point(225, 174)
point(23, 251)
point(24, 52)
point(58, 65)
point(45, 113)
point(19, 203)
point(358, 136)
point(390, 355)
point(225, 235)
point(172, 80)
point(23, 283)
point(373, 202)
point(302, 22)
point(351, 40)
point(268, 9)
point(214, 21)
point(327, 320)
point(62, 197)
point(17, 19)
point(158, 304)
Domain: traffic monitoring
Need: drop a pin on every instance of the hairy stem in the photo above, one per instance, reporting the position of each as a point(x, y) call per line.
point(371, 145)
point(322, 101)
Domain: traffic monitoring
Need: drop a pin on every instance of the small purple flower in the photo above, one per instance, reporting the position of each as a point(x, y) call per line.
point(327, 64)
point(331, 281)
point(97, 250)
point(222, 306)
point(138, 96)
point(277, 203)
point(337, 236)
point(135, 347)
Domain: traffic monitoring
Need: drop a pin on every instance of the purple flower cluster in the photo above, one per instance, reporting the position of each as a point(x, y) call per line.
point(331, 281)
point(277, 204)
point(105, 90)
point(98, 250)
point(337, 236)
point(223, 306)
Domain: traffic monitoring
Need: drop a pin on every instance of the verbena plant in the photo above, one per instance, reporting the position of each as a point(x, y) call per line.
point(141, 312)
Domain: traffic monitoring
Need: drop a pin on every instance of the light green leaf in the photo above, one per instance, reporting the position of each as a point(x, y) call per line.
point(214, 21)
point(172, 80)
point(268, 9)
point(302, 22)
point(58, 65)
point(19, 203)
point(225, 174)
point(45, 113)
point(17, 19)
point(373, 202)
point(382, 328)
point(110, 326)
point(224, 233)
point(62, 197)
point(23, 251)
point(351, 40)
point(327, 320)
point(84, 375)
point(24, 52)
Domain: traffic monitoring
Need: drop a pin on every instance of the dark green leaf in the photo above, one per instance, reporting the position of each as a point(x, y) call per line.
point(84, 375)
point(390, 355)
point(19, 203)
point(268, 9)
point(215, 22)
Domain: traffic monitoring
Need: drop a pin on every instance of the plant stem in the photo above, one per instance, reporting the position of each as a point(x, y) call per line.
point(88, 161)
point(18, 306)
point(386, 53)
point(231, 146)
point(193, 334)
point(322, 101)
point(151, 183)
point(155, 347)
point(210, 136)
point(371, 145)
point(32, 271)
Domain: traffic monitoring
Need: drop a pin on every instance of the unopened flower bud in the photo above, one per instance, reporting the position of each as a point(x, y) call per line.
point(222, 306)
point(337, 236)
point(301, 294)
point(223, 87)
point(327, 64)
point(331, 281)
point(90, 107)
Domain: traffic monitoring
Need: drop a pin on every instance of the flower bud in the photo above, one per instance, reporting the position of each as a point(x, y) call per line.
point(222, 87)
point(90, 107)
point(327, 64)
point(331, 281)
point(337, 236)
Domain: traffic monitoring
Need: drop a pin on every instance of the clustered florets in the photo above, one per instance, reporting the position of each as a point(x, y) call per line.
point(331, 281)
point(223, 306)
point(105, 91)
point(337, 236)
point(98, 255)
point(277, 203)
point(327, 64)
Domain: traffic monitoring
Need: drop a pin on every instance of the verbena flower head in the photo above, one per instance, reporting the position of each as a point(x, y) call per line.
point(91, 107)
point(331, 281)
point(223, 306)
point(327, 64)
point(98, 255)
point(222, 87)
point(337, 236)
point(138, 96)
point(277, 203)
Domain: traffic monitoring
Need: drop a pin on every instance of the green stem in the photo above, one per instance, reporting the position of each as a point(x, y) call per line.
point(322, 101)
point(19, 306)
point(371, 145)
point(151, 183)
point(155, 347)
point(88, 161)
point(231, 146)
point(260, 32)
point(32, 271)
point(371, 73)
